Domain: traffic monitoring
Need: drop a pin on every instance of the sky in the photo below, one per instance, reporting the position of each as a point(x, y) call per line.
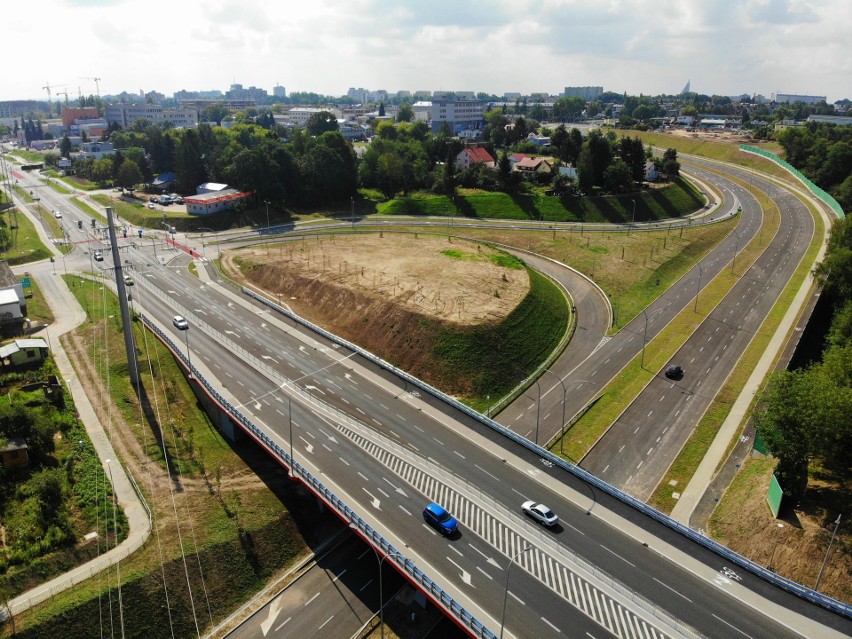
point(724, 47)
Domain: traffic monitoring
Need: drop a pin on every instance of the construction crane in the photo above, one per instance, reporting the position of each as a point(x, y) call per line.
point(65, 93)
point(97, 86)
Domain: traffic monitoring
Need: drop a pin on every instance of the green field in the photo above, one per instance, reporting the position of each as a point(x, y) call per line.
point(26, 245)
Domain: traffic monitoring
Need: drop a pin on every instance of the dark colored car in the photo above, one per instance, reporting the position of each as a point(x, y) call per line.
point(439, 518)
point(674, 371)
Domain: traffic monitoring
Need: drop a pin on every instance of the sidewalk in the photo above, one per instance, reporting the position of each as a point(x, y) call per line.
point(69, 315)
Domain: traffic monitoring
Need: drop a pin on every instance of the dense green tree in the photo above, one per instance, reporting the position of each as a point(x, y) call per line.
point(65, 147)
point(404, 113)
point(632, 152)
point(102, 171)
point(595, 156)
point(321, 122)
point(617, 177)
point(128, 175)
point(216, 113)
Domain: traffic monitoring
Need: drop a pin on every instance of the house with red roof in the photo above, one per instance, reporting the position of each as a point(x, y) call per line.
point(474, 155)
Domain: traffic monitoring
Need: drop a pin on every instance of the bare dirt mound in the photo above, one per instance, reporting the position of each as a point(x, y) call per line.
point(389, 293)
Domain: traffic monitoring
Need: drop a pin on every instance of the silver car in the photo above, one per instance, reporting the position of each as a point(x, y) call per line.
point(541, 513)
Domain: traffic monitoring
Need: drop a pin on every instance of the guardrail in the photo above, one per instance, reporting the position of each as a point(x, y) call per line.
point(813, 188)
point(408, 566)
point(743, 562)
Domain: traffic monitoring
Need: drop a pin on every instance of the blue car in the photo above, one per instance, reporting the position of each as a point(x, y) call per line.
point(439, 518)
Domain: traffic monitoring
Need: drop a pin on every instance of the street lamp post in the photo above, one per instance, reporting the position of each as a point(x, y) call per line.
point(564, 395)
point(633, 218)
point(537, 411)
point(381, 560)
point(698, 288)
point(825, 560)
point(506, 592)
point(562, 437)
point(645, 333)
point(736, 249)
point(352, 216)
point(267, 225)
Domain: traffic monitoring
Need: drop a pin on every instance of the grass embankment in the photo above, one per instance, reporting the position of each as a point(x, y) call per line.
point(633, 270)
point(672, 200)
point(632, 379)
point(56, 185)
point(26, 246)
point(138, 214)
point(718, 150)
point(694, 450)
point(496, 358)
point(88, 209)
point(233, 526)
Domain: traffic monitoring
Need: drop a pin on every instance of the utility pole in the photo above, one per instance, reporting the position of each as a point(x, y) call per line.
point(127, 327)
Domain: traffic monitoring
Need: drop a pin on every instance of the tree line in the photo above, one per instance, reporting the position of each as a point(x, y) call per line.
point(804, 415)
point(316, 167)
point(823, 152)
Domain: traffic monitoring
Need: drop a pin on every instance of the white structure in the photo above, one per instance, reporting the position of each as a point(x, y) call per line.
point(301, 115)
point(459, 114)
point(279, 92)
point(93, 150)
point(211, 187)
point(792, 97)
point(127, 114)
point(213, 202)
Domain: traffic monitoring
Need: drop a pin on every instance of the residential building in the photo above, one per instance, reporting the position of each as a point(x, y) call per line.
point(422, 95)
point(792, 97)
point(214, 201)
point(70, 115)
point(539, 140)
point(474, 155)
point(652, 174)
point(199, 106)
point(459, 114)
point(301, 115)
point(589, 94)
point(238, 92)
point(126, 114)
point(422, 110)
point(279, 92)
point(531, 165)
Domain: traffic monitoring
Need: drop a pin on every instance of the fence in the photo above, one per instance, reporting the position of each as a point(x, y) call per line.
point(813, 188)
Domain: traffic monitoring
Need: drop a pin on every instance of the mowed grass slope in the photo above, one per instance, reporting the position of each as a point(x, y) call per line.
point(494, 359)
point(672, 200)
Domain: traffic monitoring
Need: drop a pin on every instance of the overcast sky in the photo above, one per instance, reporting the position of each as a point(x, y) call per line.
point(725, 47)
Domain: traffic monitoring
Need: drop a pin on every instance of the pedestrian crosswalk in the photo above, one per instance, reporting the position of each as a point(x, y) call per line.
point(566, 575)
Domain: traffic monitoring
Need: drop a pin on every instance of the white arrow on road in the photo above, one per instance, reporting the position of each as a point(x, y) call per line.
point(308, 446)
point(465, 575)
point(396, 488)
point(376, 502)
point(349, 378)
point(274, 611)
point(489, 560)
point(271, 359)
point(313, 388)
point(230, 333)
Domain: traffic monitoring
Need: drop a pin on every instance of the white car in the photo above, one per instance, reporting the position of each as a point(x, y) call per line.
point(57, 215)
point(180, 323)
point(541, 513)
point(99, 256)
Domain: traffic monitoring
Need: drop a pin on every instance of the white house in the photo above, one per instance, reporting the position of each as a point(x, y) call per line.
point(213, 202)
point(651, 172)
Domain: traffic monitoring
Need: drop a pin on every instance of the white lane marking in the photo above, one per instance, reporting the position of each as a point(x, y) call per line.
point(732, 627)
point(326, 621)
point(339, 575)
point(311, 599)
point(551, 625)
point(486, 472)
point(673, 590)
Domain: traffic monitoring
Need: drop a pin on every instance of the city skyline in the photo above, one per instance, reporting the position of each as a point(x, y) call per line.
point(759, 46)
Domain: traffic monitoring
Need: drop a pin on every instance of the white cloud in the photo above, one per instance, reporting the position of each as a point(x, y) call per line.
point(648, 46)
